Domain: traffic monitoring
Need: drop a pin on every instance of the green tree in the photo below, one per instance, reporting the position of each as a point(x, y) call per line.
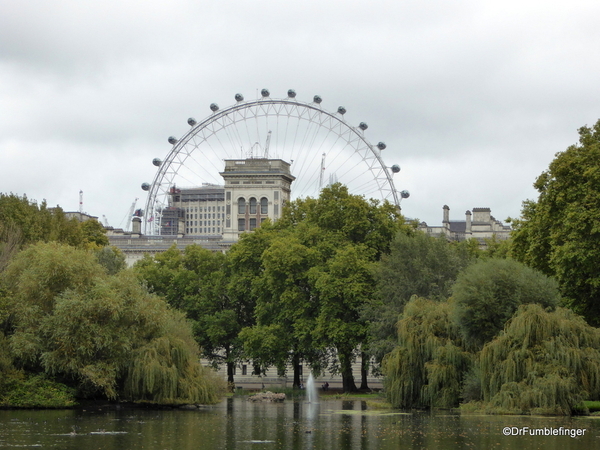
point(103, 334)
point(559, 233)
point(198, 282)
point(35, 222)
point(286, 306)
point(427, 366)
point(313, 277)
point(543, 363)
point(417, 265)
point(488, 292)
point(111, 258)
point(93, 234)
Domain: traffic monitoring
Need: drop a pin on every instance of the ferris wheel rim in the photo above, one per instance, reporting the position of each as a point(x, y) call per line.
point(221, 114)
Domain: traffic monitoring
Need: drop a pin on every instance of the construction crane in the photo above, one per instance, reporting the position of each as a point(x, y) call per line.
point(127, 219)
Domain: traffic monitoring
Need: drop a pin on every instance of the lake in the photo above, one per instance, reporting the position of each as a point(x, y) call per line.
point(236, 423)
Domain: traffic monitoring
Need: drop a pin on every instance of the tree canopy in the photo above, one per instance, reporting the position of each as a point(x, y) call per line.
point(544, 362)
point(314, 278)
point(559, 233)
point(417, 265)
point(103, 334)
point(487, 293)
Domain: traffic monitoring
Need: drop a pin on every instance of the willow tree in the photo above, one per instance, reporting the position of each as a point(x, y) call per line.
point(427, 367)
point(544, 362)
point(104, 335)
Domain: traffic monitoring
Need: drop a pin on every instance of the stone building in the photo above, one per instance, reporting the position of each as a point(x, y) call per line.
point(479, 224)
point(214, 216)
point(255, 189)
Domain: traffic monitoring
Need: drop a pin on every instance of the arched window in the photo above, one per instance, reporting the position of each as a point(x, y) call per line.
point(264, 206)
point(241, 205)
point(252, 205)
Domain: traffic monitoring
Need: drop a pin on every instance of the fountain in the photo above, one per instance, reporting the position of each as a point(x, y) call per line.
point(311, 389)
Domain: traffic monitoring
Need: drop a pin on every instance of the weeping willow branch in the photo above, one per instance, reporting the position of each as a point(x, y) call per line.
point(427, 367)
point(543, 362)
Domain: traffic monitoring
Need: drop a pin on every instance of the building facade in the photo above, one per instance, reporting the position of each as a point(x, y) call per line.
point(480, 225)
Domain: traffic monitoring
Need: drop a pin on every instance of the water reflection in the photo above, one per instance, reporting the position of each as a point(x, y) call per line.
point(238, 424)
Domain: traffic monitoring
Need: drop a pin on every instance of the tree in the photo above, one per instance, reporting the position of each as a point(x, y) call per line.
point(195, 282)
point(111, 258)
point(286, 306)
point(417, 265)
point(487, 294)
point(314, 276)
point(93, 234)
point(35, 222)
point(427, 366)
point(103, 334)
point(543, 363)
point(559, 233)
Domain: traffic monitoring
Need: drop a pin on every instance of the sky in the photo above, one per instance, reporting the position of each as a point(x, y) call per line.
point(472, 98)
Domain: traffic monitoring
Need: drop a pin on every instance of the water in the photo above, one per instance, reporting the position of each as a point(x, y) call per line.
point(238, 424)
point(311, 389)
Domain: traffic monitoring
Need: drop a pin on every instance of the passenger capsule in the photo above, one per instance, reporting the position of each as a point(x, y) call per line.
point(291, 93)
point(342, 110)
point(157, 162)
point(239, 98)
point(363, 126)
point(172, 140)
point(214, 107)
point(395, 168)
point(404, 194)
point(146, 186)
point(265, 93)
point(381, 146)
point(192, 122)
point(317, 99)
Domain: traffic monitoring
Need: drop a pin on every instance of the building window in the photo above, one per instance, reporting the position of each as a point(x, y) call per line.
point(252, 205)
point(241, 224)
point(264, 206)
point(241, 205)
point(252, 224)
point(244, 369)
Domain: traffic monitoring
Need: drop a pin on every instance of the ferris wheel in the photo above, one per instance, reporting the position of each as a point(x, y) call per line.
point(320, 146)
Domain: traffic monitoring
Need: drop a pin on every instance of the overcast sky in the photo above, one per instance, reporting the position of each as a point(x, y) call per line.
point(472, 98)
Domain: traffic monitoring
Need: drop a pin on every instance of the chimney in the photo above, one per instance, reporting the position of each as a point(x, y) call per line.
point(136, 226)
point(468, 222)
point(446, 214)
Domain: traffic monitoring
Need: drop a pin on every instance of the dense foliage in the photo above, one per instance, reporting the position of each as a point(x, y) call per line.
point(436, 362)
point(426, 368)
point(195, 281)
point(104, 335)
point(314, 279)
point(417, 265)
point(488, 292)
point(544, 363)
point(559, 233)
